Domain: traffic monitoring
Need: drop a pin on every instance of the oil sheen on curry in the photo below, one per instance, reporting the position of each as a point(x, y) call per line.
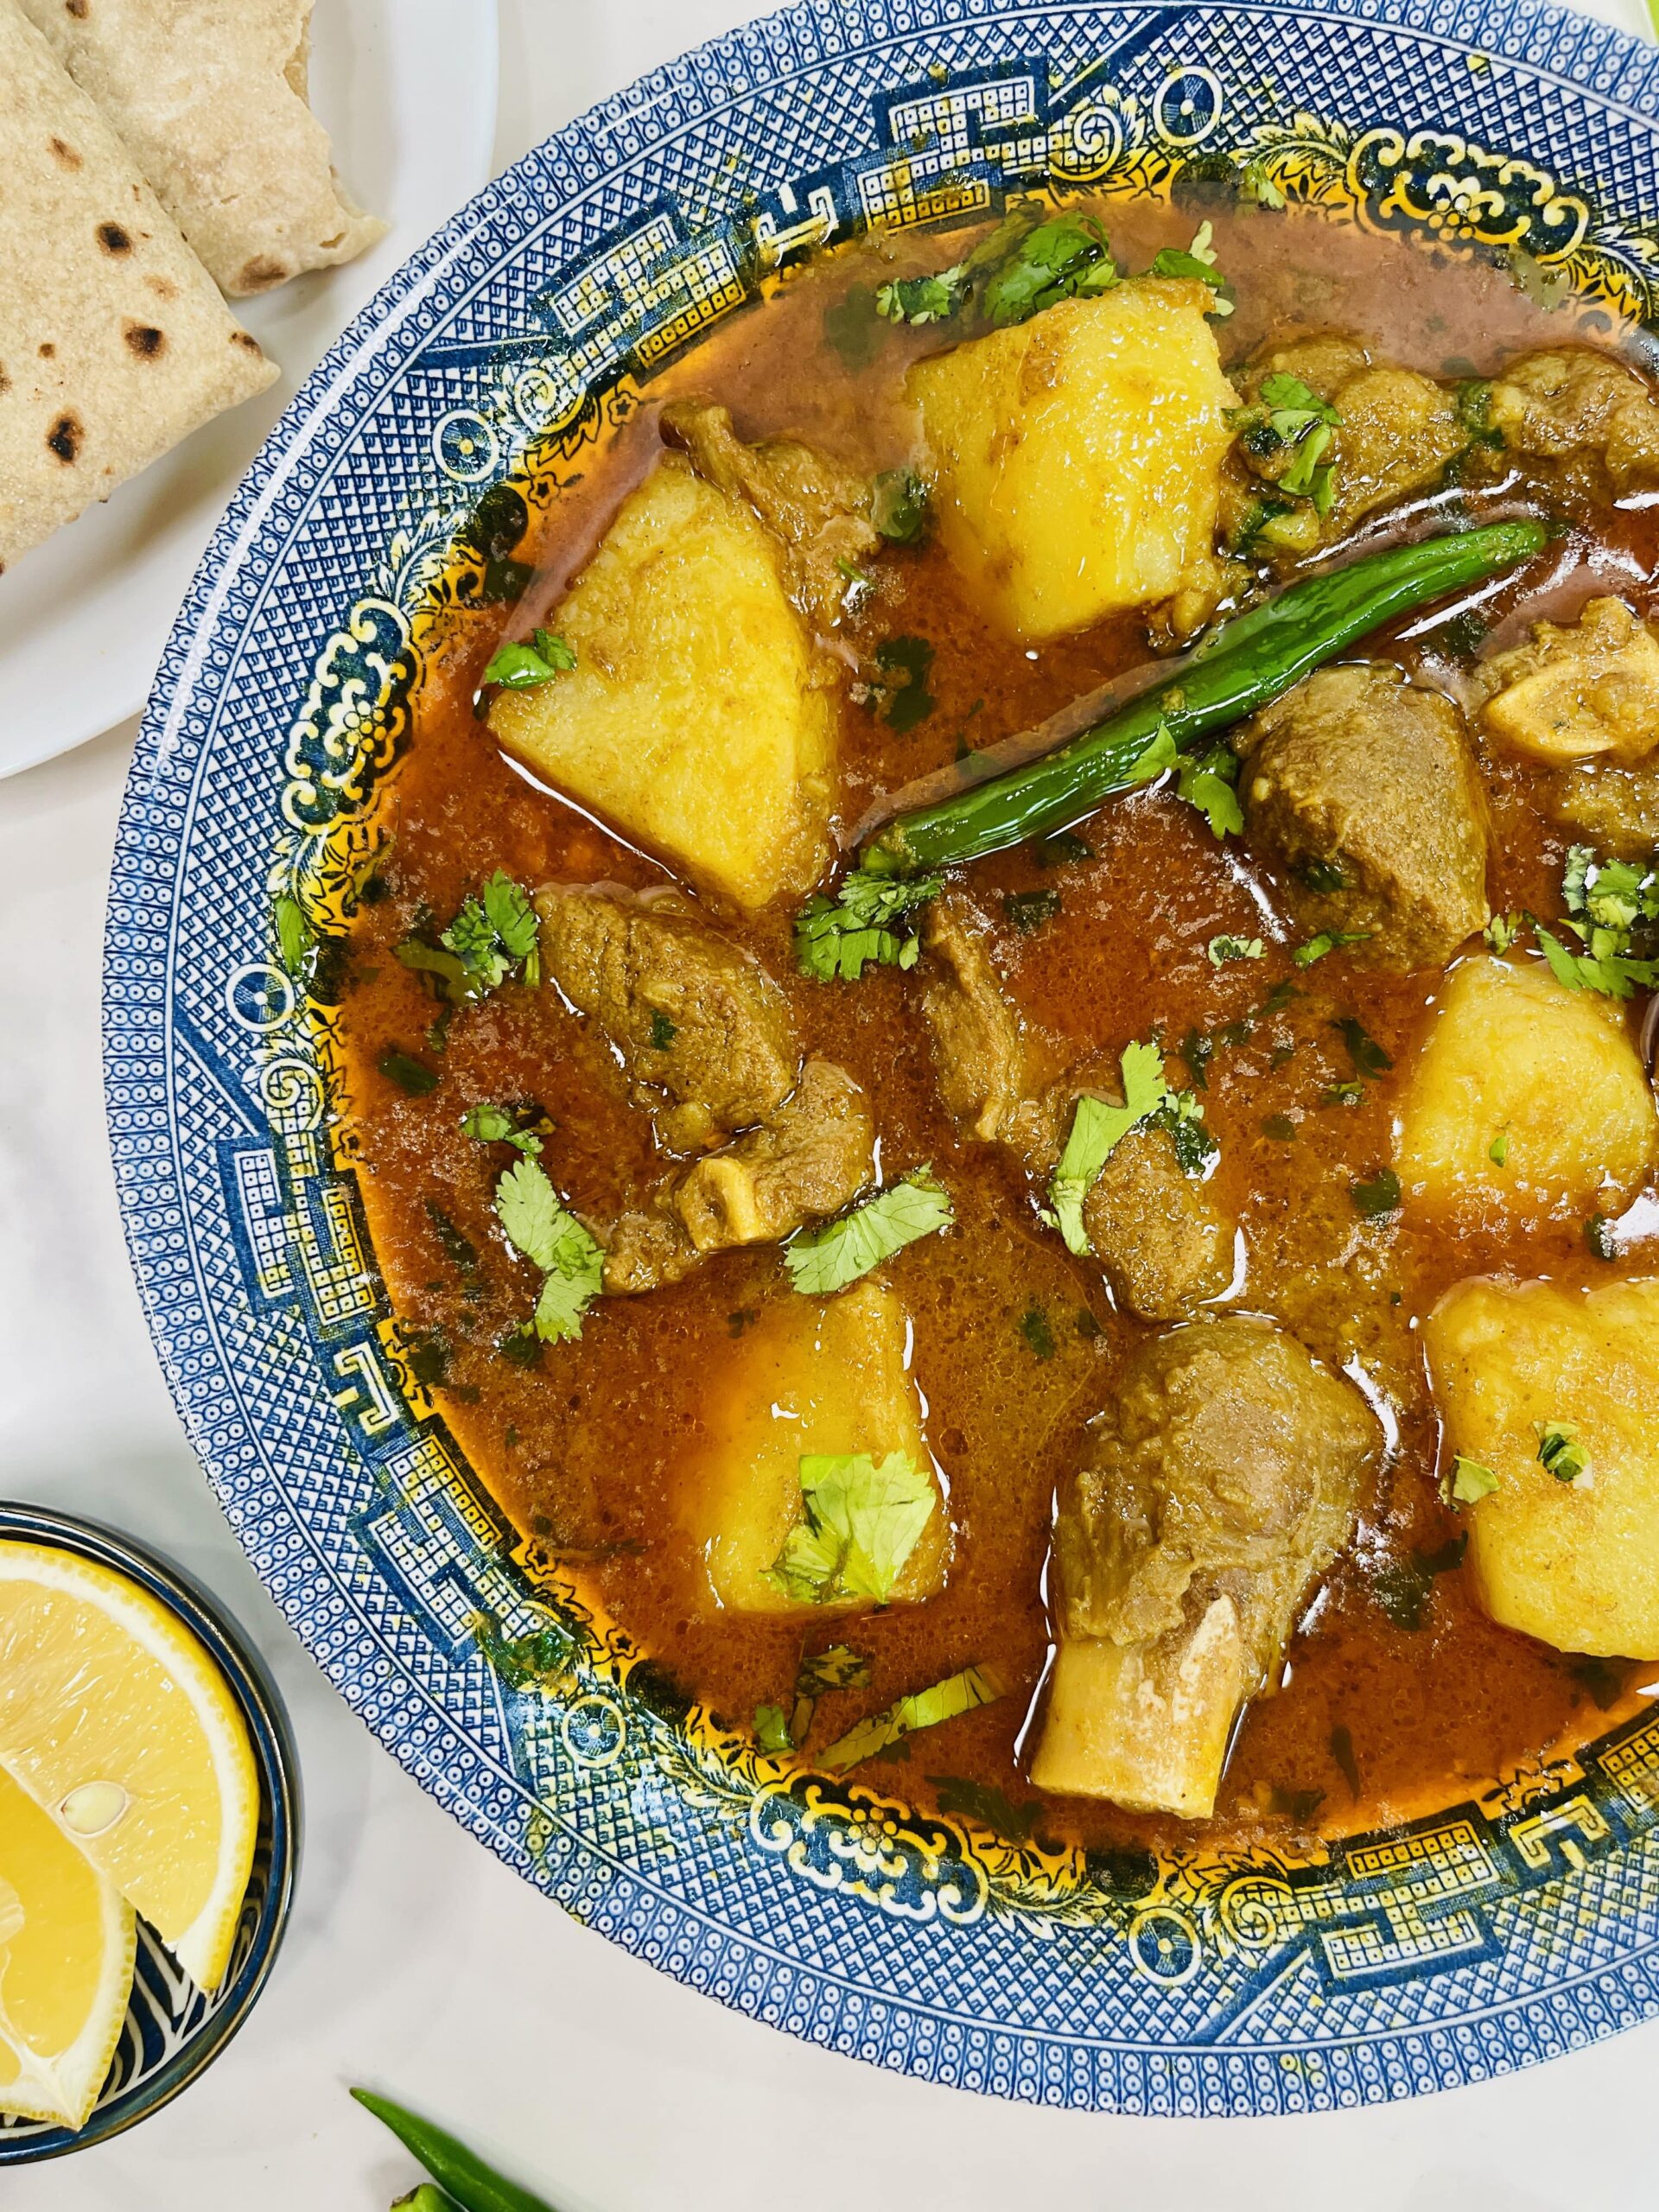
point(997, 1044)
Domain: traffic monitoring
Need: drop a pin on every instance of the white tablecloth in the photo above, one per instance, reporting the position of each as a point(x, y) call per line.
point(416, 1962)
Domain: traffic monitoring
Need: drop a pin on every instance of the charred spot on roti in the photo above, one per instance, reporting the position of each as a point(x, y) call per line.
point(144, 339)
point(76, 8)
point(47, 352)
point(259, 274)
point(113, 238)
point(245, 338)
point(65, 436)
point(164, 287)
point(65, 152)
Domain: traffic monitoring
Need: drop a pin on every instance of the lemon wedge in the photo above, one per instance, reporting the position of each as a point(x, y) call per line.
point(66, 1967)
point(116, 1721)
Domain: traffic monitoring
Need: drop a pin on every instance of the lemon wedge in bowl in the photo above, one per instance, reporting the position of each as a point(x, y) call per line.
point(67, 1946)
point(117, 1724)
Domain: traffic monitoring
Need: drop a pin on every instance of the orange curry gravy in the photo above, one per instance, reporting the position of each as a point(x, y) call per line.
point(1016, 1344)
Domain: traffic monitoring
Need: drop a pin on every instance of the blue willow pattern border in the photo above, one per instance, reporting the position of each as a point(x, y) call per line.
point(1484, 1937)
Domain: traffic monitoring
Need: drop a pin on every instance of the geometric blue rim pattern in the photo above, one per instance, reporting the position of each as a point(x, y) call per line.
point(1450, 1956)
point(173, 2031)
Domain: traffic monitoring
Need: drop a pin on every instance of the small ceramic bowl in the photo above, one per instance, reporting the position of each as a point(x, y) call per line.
point(174, 2031)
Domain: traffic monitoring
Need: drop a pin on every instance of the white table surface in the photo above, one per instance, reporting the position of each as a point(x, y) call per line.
point(416, 1962)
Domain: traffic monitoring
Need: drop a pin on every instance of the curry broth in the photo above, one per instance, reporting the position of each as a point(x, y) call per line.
point(1016, 1343)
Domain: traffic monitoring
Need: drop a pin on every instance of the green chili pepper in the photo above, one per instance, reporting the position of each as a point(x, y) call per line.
point(429, 2197)
point(474, 2186)
point(1252, 660)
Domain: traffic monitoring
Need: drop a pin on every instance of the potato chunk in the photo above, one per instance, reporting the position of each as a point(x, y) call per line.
point(1512, 1054)
point(1576, 1564)
point(1076, 457)
point(1573, 694)
point(696, 719)
point(810, 1375)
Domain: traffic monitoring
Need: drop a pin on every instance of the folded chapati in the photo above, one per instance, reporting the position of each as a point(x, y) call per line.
point(114, 344)
point(210, 95)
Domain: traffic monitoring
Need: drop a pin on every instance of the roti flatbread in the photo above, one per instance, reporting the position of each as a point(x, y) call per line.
point(210, 95)
point(113, 343)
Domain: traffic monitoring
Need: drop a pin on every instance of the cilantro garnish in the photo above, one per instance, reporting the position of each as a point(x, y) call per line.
point(1197, 260)
point(905, 663)
point(945, 1700)
point(1256, 183)
point(517, 666)
point(771, 1730)
point(534, 1222)
point(1289, 415)
point(1559, 1451)
point(1220, 949)
point(1469, 1482)
point(409, 1074)
point(1367, 1055)
point(1096, 1130)
point(1378, 1196)
point(1502, 929)
point(1206, 780)
point(923, 299)
point(662, 1031)
point(495, 1125)
point(1068, 258)
point(899, 505)
point(1600, 1238)
point(826, 1259)
point(497, 931)
point(1038, 1335)
point(295, 937)
point(1610, 906)
point(863, 1518)
point(1328, 940)
point(1403, 1587)
point(1498, 1151)
point(1029, 909)
point(837, 939)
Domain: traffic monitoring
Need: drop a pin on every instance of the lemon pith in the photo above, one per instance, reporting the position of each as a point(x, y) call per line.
point(66, 1947)
point(108, 1702)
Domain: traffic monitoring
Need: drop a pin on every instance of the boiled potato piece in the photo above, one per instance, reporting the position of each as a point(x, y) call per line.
point(1575, 1563)
point(809, 1375)
point(1146, 1725)
point(696, 719)
point(1513, 1054)
point(1076, 457)
point(1573, 694)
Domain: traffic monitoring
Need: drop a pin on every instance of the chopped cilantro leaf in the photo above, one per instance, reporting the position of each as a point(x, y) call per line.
point(1498, 1151)
point(1197, 260)
point(517, 666)
point(1403, 1587)
point(824, 1261)
point(1469, 1482)
point(1034, 1328)
point(572, 1264)
point(1097, 1128)
point(1066, 257)
point(409, 1074)
point(1599, 1236)
point(1560, 1451)
point(1367, 1055)
point(958, 1693)
point(923, 299)
point(1328, 940)
point(863, 1520)
point(1221, 950)
point(840, 1667)
point(295, 938)
point(1324, 876)
point(1256, 183)
point(1502, 929)
point(1029, 909)
point(837, 939)
point(771, 1729)
point(497, 931)
point(1206, 780)
point(662, 1031)
point(1377, 1197)
point(899, 505)
point(1060, 847)
point(495, 1125)
point(905, 662)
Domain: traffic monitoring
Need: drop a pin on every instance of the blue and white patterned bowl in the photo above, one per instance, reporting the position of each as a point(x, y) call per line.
point(1507, 1927)
point(174, 2031)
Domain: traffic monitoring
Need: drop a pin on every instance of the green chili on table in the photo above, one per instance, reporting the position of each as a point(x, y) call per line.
point(1251, 661)
point(474, 2186)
